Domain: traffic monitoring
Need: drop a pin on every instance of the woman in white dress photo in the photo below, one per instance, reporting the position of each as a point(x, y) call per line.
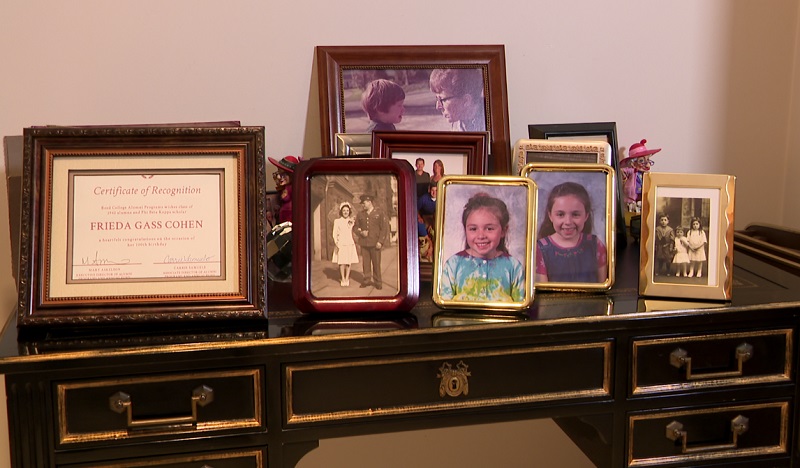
point(345, 253)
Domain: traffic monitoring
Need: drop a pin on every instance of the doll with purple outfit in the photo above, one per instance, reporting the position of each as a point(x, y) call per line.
point(633, 168)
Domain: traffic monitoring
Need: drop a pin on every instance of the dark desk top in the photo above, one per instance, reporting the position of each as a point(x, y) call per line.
point(760, 284)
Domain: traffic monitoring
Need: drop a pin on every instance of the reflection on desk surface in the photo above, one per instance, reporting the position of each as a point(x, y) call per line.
point(758, 283)
point(456, 319)
point(556, 306)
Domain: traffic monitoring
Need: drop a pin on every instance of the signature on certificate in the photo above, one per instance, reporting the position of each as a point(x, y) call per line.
point(189, 258)
point(98, 260)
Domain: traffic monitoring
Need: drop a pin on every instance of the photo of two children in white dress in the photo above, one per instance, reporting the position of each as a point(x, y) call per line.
point(682, 234)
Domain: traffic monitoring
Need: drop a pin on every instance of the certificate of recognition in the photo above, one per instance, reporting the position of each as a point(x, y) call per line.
point(132, 226)
point(141, 223)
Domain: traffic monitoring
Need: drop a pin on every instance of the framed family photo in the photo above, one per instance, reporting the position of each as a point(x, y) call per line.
point(353, 250)
point(415, 88)
point(687, 235)
point(433, 155)
point(487, 262)
point(551, 151)
point(575, 245)
point(134, 224)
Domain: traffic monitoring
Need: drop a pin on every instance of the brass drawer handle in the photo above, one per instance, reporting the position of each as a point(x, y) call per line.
point(739, 426)
point(121, 402)
point(680, 358)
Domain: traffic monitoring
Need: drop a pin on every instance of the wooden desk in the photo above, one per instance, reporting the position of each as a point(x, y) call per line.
point(627, 382)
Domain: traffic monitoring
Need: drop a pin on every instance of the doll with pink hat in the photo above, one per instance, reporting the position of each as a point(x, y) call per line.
point(283, 183)
point(633, 168)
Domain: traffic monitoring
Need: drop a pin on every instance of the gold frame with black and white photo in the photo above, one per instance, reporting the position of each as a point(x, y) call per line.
point(684, 199)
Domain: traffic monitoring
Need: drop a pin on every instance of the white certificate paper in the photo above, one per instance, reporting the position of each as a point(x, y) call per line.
point(130, 226)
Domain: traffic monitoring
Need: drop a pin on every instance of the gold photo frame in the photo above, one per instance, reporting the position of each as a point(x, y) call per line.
point(489, 221)
point(532, 151)
point(701, 266)
point(564, 248)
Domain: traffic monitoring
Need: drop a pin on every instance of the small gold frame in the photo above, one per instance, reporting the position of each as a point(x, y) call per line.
point(599, 182)
point(519, 195)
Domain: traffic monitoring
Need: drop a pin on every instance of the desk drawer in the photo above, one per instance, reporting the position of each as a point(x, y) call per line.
point(231, 459)
point(708, 434)
point(123, 408)
point(361, 388)
point(717, 360)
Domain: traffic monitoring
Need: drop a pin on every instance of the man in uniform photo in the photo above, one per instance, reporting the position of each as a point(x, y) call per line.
point(372, 228)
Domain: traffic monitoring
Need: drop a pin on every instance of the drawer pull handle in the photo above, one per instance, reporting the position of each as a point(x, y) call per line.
point(739, 426)
point(121, 402)
point(680, 358)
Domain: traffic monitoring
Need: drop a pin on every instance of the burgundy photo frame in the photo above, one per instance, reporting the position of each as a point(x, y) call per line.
point(321, 186)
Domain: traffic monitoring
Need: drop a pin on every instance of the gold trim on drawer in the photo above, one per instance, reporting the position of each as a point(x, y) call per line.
point(254, 455)
point(780, 448)
point(446, 403)
point(67, 437)
point(783, 376)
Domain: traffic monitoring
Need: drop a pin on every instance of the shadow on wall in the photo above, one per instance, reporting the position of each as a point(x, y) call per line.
point(761, 44)
point(13, 158)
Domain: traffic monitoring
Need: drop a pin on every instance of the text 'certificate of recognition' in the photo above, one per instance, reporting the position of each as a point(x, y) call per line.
point(164, 226)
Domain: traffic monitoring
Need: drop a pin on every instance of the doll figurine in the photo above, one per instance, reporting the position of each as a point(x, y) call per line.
point(283, 183)
point(633, 168)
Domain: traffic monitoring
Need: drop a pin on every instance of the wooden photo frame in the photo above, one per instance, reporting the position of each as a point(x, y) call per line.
point(687, 201)
point(534, 151)
point(471, 76)
point(487, 263)
point(361, 261)
point(443, 153)
point(135, 224)
point(575, 246)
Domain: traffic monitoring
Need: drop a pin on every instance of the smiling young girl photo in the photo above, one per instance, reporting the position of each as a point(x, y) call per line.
point(486, 257)
point(484, 270)
point(567, 249)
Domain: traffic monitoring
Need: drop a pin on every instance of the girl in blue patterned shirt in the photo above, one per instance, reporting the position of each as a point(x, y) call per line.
point(484, 270)
point(567, 251)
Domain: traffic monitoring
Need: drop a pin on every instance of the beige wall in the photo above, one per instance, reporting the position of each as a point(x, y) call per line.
point(713, 83)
